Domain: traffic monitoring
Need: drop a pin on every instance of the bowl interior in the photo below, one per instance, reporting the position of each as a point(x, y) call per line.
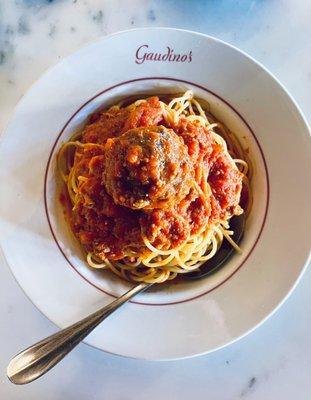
point(170, 292)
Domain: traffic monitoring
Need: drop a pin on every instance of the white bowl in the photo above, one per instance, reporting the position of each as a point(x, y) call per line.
point(175, 320)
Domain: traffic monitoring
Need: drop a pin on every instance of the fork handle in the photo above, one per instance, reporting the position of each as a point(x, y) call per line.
point(36, 360)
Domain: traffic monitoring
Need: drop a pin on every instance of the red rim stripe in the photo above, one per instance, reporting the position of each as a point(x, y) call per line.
point(148, 79)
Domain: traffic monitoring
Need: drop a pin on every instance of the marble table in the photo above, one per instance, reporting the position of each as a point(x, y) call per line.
point(274, 362)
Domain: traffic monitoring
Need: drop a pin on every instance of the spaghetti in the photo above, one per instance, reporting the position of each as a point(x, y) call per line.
point(152, 186)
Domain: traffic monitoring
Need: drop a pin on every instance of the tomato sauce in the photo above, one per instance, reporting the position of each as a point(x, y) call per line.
point(149, 169)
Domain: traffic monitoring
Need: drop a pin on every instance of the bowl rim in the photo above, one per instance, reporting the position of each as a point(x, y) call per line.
point(296, 108)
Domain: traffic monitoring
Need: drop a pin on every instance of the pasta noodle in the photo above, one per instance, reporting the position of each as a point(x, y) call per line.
point(156, 263)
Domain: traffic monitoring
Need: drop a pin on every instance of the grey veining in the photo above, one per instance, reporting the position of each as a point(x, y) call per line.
point(251, 383)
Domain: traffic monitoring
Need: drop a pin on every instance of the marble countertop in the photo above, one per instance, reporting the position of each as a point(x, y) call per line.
point(274, 362)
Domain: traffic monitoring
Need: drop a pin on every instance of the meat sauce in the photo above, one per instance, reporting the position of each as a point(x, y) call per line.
point(141, 181)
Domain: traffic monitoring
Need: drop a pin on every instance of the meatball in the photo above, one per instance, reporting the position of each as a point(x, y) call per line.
point(196, 137)
point(115, 121)
point(226, 185)
point(147, 168)
point(165, 229)
point(105, 125)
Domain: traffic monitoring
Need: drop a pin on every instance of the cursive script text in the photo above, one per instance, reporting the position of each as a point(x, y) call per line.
point(143, 54)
